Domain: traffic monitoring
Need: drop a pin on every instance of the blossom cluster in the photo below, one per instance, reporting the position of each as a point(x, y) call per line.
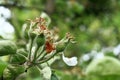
point(43, 44)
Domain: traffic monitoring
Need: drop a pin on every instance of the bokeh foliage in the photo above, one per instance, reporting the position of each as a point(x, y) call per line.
point(94, 23)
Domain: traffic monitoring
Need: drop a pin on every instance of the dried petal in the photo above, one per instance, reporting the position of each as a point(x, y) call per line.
point(49, 47)
point(42, 27)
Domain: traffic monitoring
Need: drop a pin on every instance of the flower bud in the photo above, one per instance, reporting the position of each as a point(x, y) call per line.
point(7, 47)
point(40, 40)
point(61, 47)
point(32, 35)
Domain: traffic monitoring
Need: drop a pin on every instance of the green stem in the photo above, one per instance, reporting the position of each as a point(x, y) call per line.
point(45, 60)
point(36, 49)
point(30, 47)
point(23, 56)
point(35, 53)
point(19, 76)
point(42, 56)
point(39, 67)
point(30, 41)
point(40, 53)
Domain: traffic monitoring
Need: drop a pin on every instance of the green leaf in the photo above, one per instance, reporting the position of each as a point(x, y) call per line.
point(19, 58)
point(54, 77)
point(7, 47)
point(34, 74)
point(1, 37)
point(107, 68)
point(12, 72)
point(3, 65)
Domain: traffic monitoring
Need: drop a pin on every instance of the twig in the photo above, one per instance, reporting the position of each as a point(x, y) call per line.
point(20, 6)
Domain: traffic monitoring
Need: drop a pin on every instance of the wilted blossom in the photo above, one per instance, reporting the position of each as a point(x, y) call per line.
point(43, 46)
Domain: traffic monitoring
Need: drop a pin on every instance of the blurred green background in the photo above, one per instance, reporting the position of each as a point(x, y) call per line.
point(95, 25)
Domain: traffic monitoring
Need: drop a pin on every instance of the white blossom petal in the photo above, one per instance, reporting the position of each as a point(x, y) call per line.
point(86, 57)
point(116, 50)
point(6, 29)
point(99, 55)
point(70, 61)
point(47, 73)
point(5, 12)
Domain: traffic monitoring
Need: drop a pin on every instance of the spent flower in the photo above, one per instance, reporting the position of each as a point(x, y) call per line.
point(43, 45)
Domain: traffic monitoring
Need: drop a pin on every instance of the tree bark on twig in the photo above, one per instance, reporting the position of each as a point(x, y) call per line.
point(49, 7)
